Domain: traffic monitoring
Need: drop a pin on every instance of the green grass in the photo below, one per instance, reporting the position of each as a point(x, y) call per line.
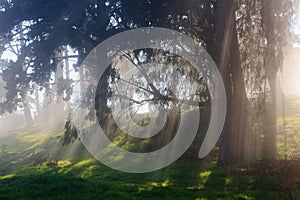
point(89, 179)
point(291, 134)
point(79, 176)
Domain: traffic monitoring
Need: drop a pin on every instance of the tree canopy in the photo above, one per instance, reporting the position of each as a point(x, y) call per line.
point(245, 39)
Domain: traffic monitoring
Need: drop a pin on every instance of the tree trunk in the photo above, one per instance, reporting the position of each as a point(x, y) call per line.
point(238, 110)
point(232, 145)
point(271, 66)
point(270, 122)
point(27, 111)
point(59, 77)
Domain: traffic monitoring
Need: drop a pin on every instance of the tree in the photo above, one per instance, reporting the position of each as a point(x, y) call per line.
point(263, 31)
point(221, 26)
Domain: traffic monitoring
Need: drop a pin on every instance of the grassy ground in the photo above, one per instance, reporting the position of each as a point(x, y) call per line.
point(96, 182)
point(77, 175)
point(290, 135)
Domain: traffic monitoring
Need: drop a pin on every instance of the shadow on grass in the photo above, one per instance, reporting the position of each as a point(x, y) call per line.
point(58, 186)
point(82, 177)
point(89, 179)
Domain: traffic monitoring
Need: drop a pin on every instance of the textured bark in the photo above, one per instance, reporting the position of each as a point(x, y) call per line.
point(271, 65)
point(270, 122)
point(232, 146)
point(238, 110)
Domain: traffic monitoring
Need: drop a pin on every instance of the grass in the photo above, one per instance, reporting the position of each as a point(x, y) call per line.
point(78, 175)
point(89, 179)
point(291, 134)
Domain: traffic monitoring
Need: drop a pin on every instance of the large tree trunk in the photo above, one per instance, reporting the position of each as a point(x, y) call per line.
point(271, 66)
point(232, 146)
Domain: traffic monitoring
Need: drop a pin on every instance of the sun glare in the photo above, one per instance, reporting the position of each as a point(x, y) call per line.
point(290, 77)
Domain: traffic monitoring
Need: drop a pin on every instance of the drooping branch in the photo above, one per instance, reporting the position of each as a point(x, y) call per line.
point(157, 96)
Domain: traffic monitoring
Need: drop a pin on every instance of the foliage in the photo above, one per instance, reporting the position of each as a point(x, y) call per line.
point(36, 31)
point(70, 134)
point(81, 25)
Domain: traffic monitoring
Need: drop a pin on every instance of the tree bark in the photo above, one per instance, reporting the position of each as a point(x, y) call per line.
point(232, 145)
point(271, 66)
point(270, 122)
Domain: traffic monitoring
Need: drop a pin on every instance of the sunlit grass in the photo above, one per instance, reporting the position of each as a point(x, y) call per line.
point(204, 176)
point(89, 179)
point(288, 136)
point(8, 176)
point(77, 175)
point(34, 140)
point(84, 163)
point(63, 163)
point(228, 181)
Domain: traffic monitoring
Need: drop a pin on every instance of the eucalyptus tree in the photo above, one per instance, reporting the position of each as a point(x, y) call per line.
point(227, 29)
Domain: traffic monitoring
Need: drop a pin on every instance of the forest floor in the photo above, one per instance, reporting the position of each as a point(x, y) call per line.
point(35, 165)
